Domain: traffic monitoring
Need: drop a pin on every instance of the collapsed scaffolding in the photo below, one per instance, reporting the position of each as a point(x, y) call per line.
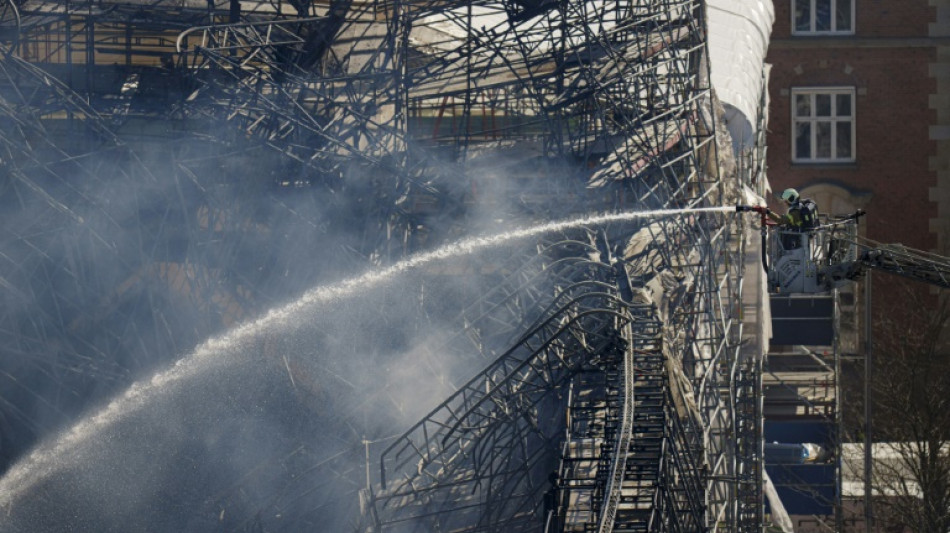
point(407, 120)
point(592, 420)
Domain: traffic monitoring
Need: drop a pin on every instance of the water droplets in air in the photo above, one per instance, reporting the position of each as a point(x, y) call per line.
point(75, 443)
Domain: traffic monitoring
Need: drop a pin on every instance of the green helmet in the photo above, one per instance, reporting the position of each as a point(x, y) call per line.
point(790, 196)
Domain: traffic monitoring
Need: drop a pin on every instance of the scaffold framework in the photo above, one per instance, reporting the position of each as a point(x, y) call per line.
point(162, 162)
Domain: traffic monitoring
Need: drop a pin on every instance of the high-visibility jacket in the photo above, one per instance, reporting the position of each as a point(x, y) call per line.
point(802, 215)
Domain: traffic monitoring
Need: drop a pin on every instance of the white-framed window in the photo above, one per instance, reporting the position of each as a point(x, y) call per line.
point(823, 125)
point(822, 17)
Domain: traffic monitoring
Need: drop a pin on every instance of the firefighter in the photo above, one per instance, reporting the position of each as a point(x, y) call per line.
point(800, 214)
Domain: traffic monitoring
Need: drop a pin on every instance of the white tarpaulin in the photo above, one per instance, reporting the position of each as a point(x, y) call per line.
point(739, 32)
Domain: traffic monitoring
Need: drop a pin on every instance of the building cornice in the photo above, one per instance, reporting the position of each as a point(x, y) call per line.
point(858, 42)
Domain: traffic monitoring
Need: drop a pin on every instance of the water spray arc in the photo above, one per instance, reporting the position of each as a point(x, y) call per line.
point(38, 464)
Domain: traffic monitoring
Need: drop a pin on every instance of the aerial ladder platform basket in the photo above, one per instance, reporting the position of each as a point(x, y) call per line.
point(803, 266)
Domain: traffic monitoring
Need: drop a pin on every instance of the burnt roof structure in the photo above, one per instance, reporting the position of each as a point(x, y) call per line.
point(172, 168)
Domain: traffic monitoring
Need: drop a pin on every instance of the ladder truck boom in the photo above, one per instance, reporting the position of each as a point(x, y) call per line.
point(903, 261)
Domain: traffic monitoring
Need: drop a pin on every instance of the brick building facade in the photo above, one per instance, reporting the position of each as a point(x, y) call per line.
point(859, 117)
point(888, 63)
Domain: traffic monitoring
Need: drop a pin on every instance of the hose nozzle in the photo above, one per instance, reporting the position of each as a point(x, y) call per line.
point(748, 208)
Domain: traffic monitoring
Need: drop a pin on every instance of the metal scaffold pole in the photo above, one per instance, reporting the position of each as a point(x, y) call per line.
point(868, 407)
point(171, 178)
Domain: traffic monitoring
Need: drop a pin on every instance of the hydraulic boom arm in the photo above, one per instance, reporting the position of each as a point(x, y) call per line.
point(907, 262)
